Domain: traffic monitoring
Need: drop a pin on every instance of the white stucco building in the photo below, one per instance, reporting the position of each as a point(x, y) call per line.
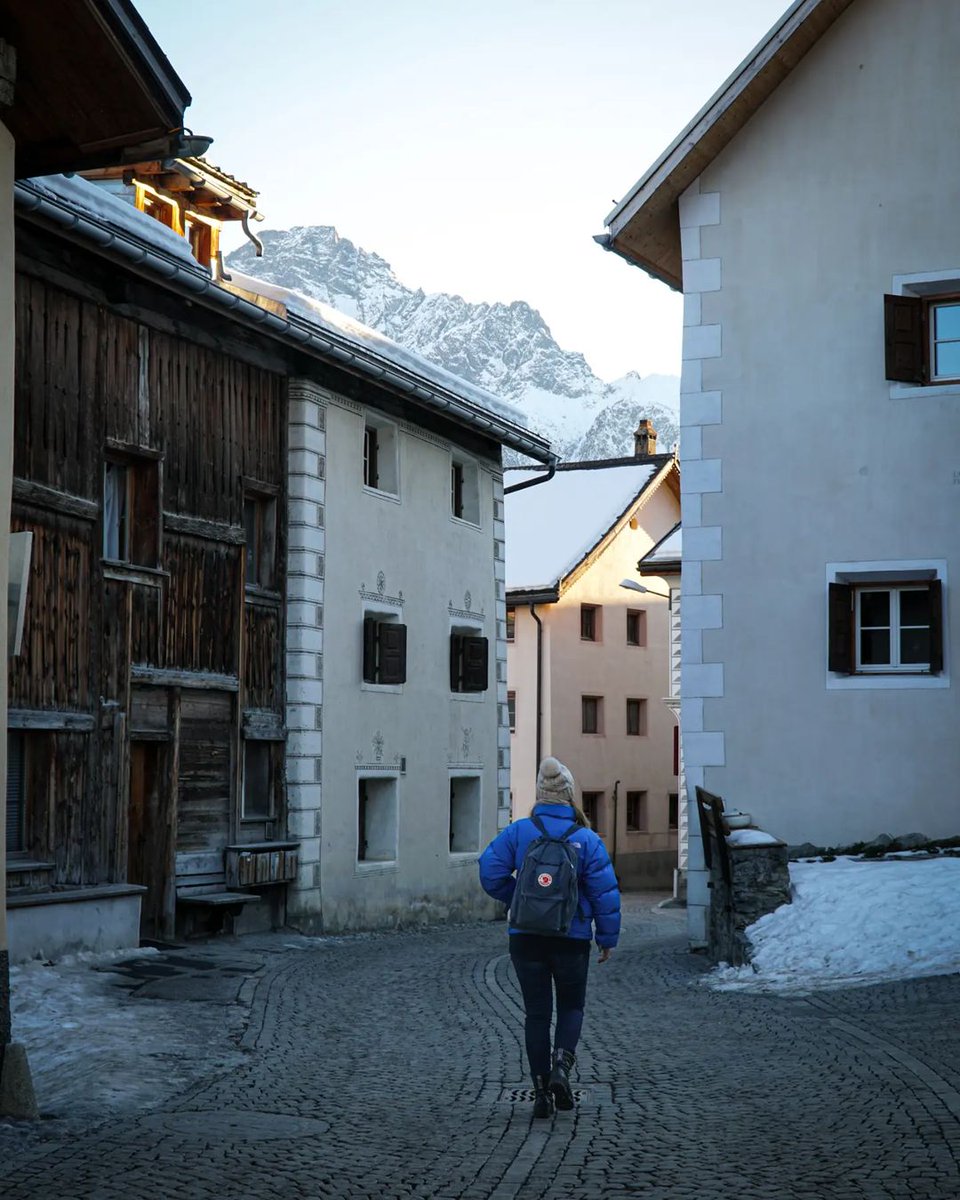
point(398, 752)
point(588, 661)
point(819, 422)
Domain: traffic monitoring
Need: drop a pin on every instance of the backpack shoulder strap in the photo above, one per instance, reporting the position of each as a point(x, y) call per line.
point(574, 827)
point(539, 824)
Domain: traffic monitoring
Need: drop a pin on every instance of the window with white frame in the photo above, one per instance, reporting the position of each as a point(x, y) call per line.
point(511, 624)
point(922, 329)
point(464, 489)
point(380, 455)
point(512, 710)
point(377, 819)
point(464, 814)
point(886, 621)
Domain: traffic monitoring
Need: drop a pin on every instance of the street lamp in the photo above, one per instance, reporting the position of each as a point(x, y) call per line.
point(633, 586)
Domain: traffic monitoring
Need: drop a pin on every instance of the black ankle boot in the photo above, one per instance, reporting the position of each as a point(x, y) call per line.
point(542, 1097)
point(559, 1082)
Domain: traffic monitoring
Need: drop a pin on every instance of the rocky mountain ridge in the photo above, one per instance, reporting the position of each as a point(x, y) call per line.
point(505, 348)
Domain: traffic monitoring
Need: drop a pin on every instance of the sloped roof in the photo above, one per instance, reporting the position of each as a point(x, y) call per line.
point(551, 528)
point(644, 226)
point(113, 227)
point(665, 555)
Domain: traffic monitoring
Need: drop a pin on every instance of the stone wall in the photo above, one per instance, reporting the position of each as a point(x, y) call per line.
point(759, 883)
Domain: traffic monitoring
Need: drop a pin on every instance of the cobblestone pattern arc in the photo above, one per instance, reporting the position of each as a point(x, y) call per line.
point(404, 1045)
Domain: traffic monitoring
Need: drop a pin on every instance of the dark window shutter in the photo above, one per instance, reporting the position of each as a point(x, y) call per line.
point(903, 338)
point(936, 627)
point(145, 518)
point(475, 664)
point(369, 650)
point(456, 661)
point(393, 652)
point(840, 633)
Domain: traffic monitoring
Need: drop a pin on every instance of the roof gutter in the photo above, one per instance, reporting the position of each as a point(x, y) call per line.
point(291, 329)
point(551, 471)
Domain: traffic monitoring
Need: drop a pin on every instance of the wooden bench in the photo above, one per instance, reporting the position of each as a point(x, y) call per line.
point(713, 834)
point(202, 883)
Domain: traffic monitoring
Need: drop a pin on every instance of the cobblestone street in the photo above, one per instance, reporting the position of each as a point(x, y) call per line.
point(391, 1066)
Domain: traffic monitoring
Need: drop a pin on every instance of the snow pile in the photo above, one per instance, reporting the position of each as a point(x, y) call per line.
point(91, 1047)
point(855, 922)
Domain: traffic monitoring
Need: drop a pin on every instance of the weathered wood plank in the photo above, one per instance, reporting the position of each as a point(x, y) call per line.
point(214, 531)
point(38, 495)
point(26, 718)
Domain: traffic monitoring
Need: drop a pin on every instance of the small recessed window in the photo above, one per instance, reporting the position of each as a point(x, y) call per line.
point(636, 627)
point(380, 470)
point(260, 530)
point(512, 710)
point(590, 802)
point(589, 622)
point(469, 661)
point(636, 811)
point(464, 814)
point(636, 717)
point(673, 810)
point(257, 780)
point(465, 490)
point(591, 708)
point(131, 510)
point(511, 624)
point(377, 820)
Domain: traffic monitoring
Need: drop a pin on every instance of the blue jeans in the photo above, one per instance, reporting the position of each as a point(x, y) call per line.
point(543, 964)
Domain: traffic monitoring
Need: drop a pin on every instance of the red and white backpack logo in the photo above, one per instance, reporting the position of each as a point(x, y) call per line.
point(545, 879)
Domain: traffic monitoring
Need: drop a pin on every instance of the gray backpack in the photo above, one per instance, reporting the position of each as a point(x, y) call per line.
point(547, 894)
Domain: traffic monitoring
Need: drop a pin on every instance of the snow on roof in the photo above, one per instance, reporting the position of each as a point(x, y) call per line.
point(94, 200)
point(122, 218)
point(334, 321)
point(666, 550)
point(553, 526)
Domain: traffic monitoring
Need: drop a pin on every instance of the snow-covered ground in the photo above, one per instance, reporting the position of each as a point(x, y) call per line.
point(853, 922)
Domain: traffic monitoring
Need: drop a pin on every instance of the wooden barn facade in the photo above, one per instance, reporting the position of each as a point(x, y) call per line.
point(146, 708)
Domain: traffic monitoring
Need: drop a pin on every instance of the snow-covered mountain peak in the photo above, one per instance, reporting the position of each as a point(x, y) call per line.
point(506, 348)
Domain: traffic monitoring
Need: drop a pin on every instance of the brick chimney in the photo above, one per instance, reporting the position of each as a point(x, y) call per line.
point(645, 439)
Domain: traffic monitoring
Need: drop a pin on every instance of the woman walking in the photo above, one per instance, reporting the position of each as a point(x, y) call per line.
point(545, 963)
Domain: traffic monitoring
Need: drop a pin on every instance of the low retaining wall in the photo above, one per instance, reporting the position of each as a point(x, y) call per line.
point(51, 924)
point(759, 883)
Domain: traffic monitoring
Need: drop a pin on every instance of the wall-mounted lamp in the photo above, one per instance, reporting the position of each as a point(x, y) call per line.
point(632, 586)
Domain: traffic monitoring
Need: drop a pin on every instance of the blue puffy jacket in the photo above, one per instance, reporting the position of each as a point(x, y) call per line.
point(599, 893)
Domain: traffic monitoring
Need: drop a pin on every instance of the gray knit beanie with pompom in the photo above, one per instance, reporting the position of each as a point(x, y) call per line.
point(554, 782)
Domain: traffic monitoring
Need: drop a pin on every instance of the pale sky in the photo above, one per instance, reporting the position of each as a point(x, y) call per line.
point(476, 145)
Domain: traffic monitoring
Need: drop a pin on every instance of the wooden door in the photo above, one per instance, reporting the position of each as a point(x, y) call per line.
point(148, 832)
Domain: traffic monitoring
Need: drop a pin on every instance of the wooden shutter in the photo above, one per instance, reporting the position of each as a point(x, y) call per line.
point(840, 633)
point(936, 627)
point(475, 658)
point(145, 513)
point(456, 661)
point(903, 338)
point(369, 650)
point(393, 652)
